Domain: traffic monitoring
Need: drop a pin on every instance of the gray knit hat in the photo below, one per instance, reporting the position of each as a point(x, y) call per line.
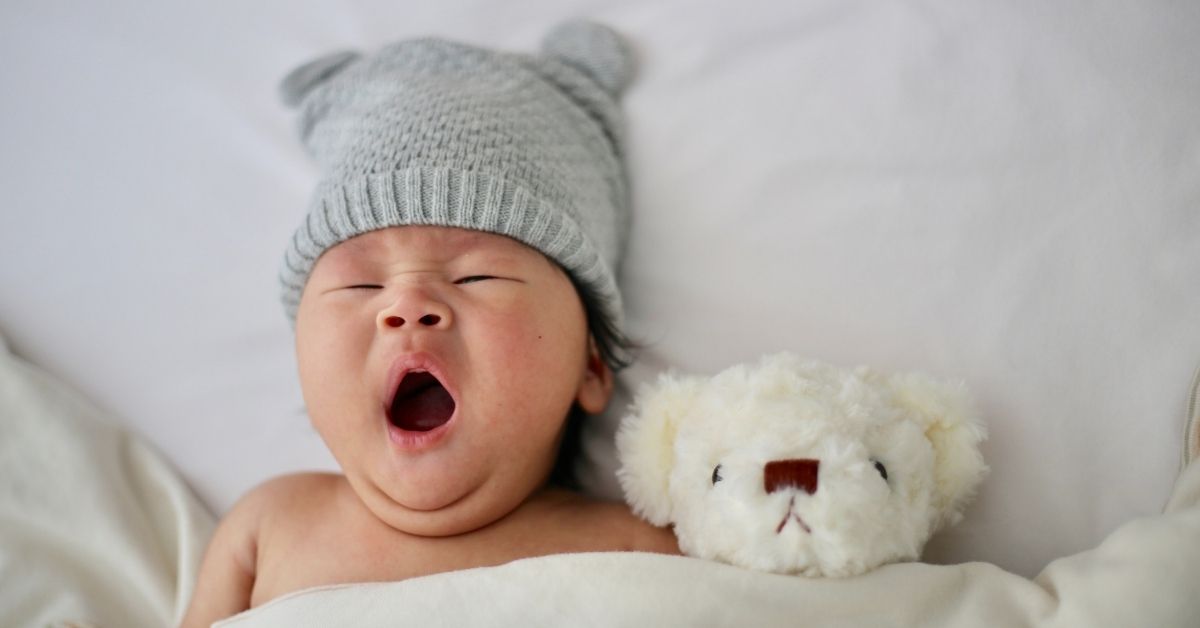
point(435, 132)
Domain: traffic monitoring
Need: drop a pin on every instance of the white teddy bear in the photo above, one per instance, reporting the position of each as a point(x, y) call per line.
point(796, 466)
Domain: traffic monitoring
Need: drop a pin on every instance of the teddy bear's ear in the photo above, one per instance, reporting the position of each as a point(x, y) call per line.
point(952, 424)
point(646, 444)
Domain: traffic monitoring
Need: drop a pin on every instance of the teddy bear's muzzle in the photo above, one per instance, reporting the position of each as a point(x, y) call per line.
point(801, 474)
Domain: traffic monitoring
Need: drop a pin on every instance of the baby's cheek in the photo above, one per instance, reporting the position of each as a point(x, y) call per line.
point(330, 365)
point(542, 337)
point(320, 399)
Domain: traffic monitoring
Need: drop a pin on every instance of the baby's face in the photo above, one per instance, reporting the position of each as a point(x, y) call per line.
point(439, 364)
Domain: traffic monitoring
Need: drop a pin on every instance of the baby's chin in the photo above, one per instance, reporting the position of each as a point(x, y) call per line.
point(437, 515)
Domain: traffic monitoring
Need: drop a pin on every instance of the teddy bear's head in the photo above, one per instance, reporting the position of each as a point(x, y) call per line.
point(796, 466)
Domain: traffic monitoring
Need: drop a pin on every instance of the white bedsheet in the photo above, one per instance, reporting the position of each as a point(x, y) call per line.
point(1001, 191)
point(96, 529)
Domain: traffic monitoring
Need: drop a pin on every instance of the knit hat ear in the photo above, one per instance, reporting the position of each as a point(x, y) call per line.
point(303, 79)
point(593, 49)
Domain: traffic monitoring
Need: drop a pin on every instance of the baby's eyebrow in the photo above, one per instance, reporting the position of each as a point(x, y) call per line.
point(488, 253)
point(349, 260)
point(358, 246)
point(490, 258)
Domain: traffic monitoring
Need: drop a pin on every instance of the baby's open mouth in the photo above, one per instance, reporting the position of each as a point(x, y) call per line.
point(421, 403)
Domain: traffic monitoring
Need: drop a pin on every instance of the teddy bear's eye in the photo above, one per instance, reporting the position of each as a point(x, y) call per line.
point(881, 469)
point(716, 477)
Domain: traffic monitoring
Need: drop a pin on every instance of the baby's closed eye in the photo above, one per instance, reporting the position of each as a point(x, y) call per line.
point(474, 279)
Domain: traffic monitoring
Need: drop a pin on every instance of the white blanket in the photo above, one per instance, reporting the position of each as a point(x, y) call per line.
point(95, 528)
point(1145, 574)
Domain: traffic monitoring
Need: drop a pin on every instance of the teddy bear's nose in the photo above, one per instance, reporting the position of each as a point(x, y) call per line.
point(780, 474)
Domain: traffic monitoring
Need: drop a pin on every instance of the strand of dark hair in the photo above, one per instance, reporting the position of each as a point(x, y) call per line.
point(618, 351)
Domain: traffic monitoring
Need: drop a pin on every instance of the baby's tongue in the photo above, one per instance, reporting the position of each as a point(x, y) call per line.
point(423, 409)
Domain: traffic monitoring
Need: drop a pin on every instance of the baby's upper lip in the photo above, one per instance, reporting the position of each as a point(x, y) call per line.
point(418, 362)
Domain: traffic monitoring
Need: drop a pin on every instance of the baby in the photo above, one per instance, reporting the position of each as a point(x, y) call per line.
point(454, 304)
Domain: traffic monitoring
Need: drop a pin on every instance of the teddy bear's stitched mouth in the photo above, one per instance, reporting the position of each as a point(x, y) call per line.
point(791, 514)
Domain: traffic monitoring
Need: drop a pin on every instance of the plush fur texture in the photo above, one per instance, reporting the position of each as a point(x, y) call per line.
point(694, 452)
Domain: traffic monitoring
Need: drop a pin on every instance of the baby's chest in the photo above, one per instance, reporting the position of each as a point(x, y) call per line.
point(321, 556)
point(339, 552)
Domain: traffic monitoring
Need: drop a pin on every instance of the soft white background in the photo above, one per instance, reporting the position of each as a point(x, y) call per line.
point(1007, 192)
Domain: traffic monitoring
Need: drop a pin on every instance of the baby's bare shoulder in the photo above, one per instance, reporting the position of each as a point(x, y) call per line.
point(231, 569)
point(612, 526)
point(294, 489)
point(269, 496)
point(643, 536)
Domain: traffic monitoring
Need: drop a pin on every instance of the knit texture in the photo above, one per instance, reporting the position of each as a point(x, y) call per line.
point(434, 132)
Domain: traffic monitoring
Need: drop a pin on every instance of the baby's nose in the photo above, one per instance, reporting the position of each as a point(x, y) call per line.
point(428, 320)
point(416, 312)
point(780, 474)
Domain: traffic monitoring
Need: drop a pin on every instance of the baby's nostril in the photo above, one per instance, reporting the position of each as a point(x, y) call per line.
point(431, 319)
point(393, 321)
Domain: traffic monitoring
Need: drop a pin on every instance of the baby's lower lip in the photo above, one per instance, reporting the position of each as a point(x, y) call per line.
point(408, 441)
